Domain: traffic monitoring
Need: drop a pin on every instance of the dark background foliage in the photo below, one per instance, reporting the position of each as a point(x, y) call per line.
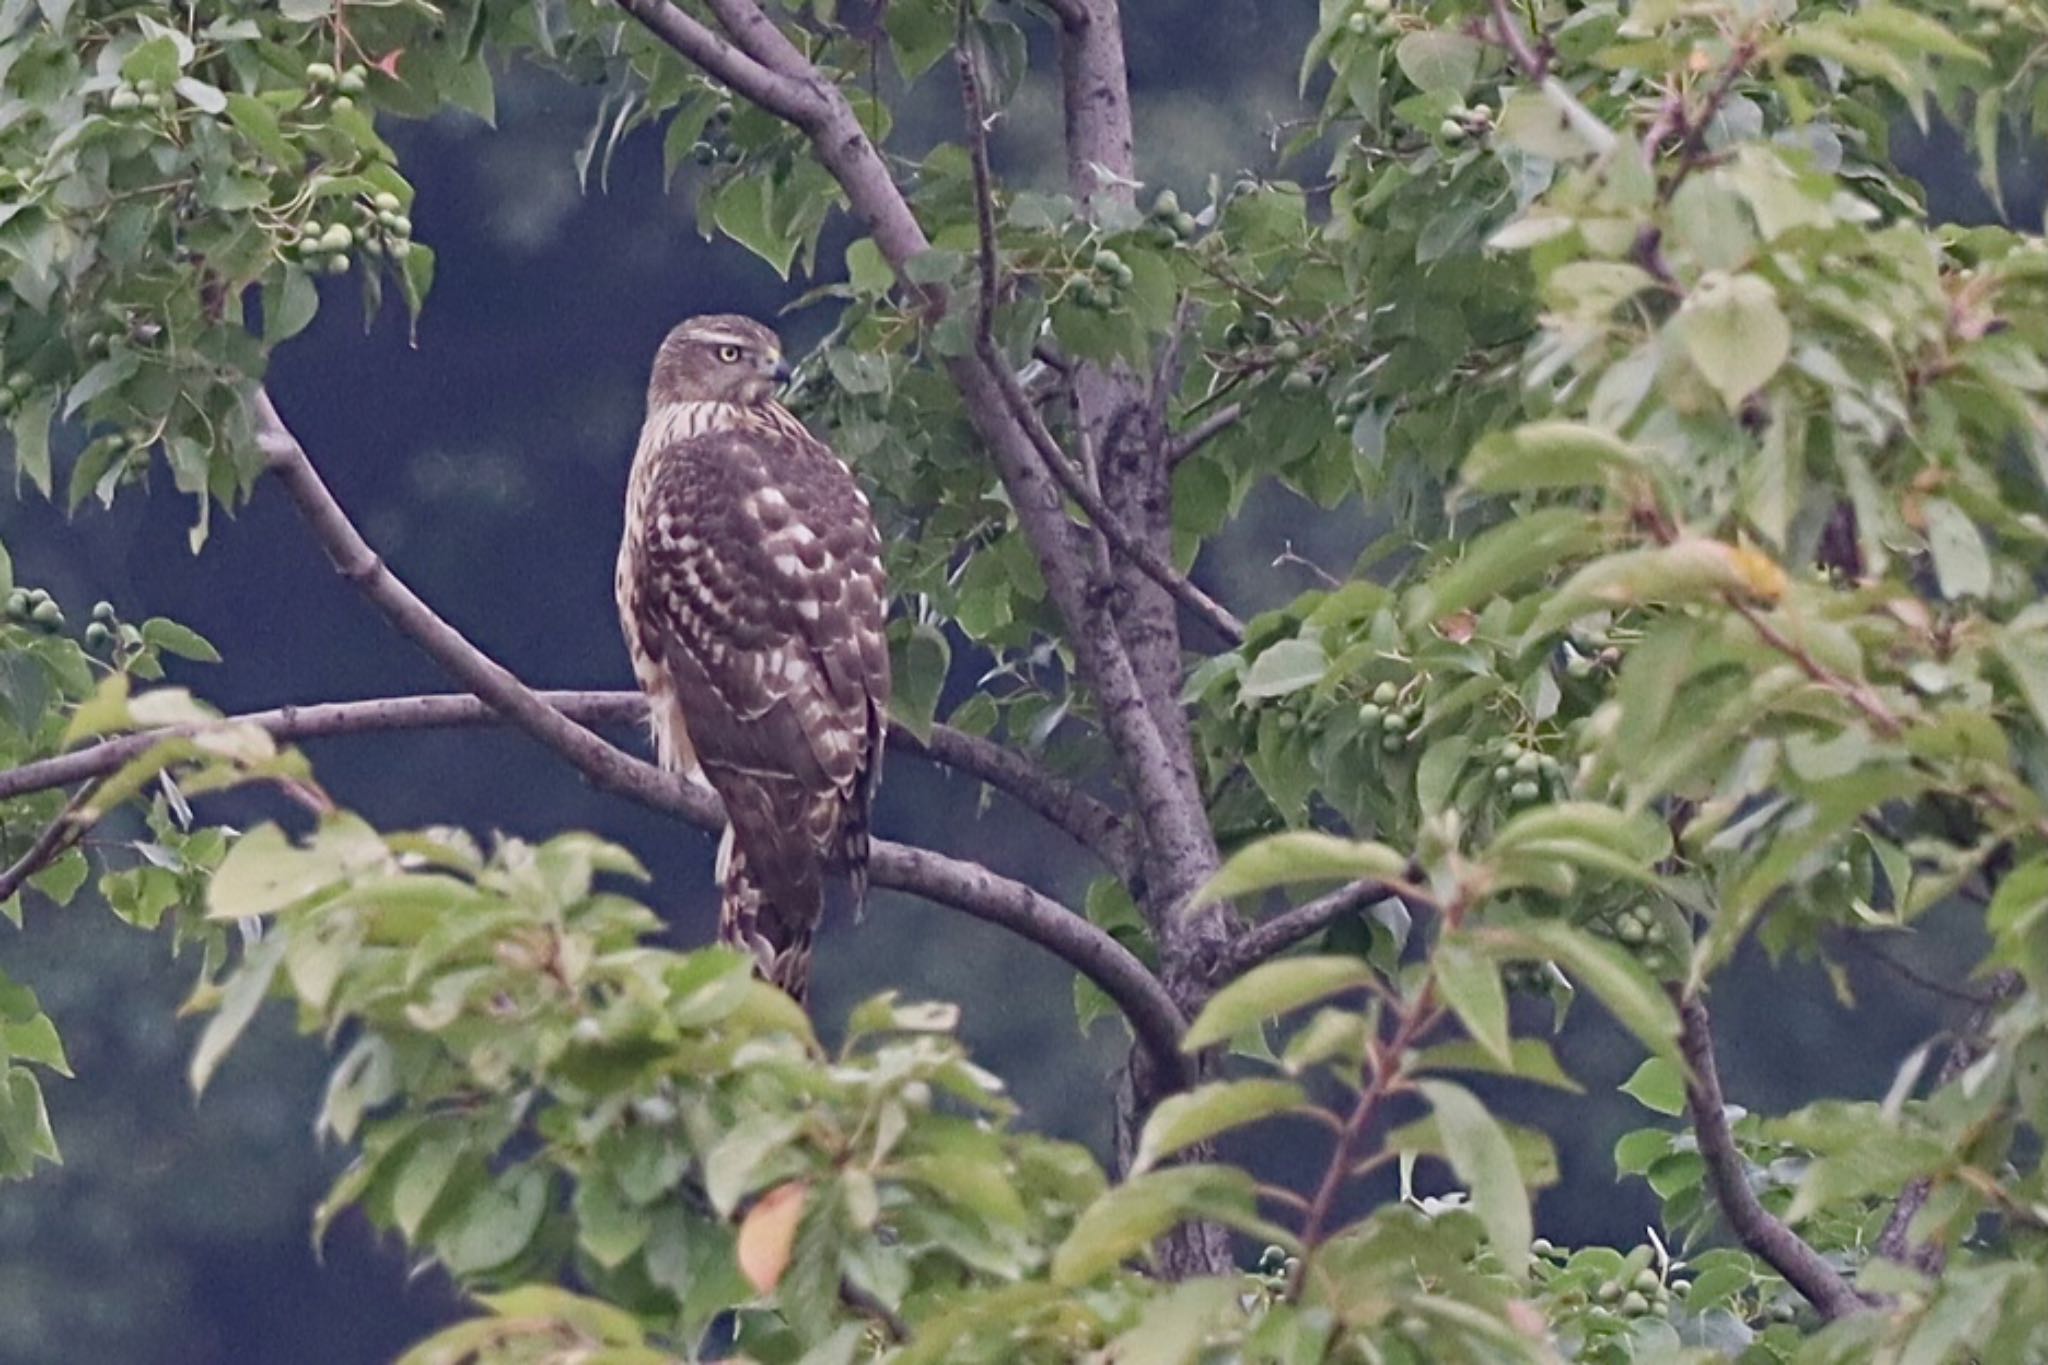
point(487, 462)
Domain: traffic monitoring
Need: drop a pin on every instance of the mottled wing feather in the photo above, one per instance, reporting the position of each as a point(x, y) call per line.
point(758, 587)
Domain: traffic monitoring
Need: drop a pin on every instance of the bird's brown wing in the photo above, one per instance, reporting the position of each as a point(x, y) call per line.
point(760, 589)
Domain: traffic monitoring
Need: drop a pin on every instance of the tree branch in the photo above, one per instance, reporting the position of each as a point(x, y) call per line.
point(1754, 1226)
point(1204, 431)
point(55, 840)
point(1269, 938)
point(1091, 823)
point(1130, 547)
point(771, 90)
point(946, 881)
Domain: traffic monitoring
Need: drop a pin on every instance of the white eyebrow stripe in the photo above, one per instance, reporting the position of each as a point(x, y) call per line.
point(719, 338)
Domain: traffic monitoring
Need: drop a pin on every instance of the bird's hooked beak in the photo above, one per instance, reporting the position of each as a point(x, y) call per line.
point(779, 371)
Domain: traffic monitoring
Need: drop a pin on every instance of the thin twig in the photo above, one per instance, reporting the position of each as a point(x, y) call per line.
point(968, 887)
point(1137, 551)
point(1269, 938)
point(1383, 1078)
point(1894, 1243)
point(1533, 63)
point(1784, 1250)
point(1204, 431)
point(53, 843)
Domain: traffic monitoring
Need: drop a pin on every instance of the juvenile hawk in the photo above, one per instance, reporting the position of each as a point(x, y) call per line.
point(751, 592)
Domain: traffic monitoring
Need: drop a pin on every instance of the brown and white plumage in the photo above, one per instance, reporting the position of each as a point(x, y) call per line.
point(751, 591)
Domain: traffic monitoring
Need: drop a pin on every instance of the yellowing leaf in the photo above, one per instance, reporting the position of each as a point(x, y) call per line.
point(768, 1233)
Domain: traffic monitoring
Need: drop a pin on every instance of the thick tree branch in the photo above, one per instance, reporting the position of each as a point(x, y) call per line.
point(946, 881)
point(1754, 1226)
point(771, 90)
point(1091, 823)
point(1121, 540)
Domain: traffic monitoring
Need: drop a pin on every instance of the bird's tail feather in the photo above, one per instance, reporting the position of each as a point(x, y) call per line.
point(770, 900)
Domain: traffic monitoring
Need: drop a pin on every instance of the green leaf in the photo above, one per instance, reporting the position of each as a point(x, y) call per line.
point(1735, 334)
point(744, 211)
point(1286, 667)
point(238, 1004)
point(1540, 455)
point(31, 428)
point(25, 1135)
point(1630, 994)
point(1961, 563)
point(1530, 1059)
point(183, 641)
point(264, 873)
point(1471, 986)
point(1175, 1327)
point(1180, 1121)
point(1126, 1220)
point(497, 1224)
point(920, 669)
point(1505, 558)
point(289, 306)
point(1480, 1153)
point(920, 32)
point(1300, 856)
point(1270, 990)
point(1657, 1085)
point(1439, 60)
point(34, 1040)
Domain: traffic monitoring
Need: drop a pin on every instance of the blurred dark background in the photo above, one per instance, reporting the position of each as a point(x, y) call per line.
point(488, 465)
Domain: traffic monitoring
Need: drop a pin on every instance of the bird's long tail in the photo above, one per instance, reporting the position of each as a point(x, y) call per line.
point(769, 905)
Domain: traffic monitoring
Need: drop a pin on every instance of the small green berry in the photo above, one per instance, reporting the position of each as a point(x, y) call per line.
point(319, 73)
point(1107, 261)
point(1394, 742)
point(124, 100)
point(386, 202)
point(1184, 224)
point(1385, 693)
point(47, 613)
point(1450, 130)
point(1541, 1247)
point(1528, 765)
point(97, 636)
point(336, 265)
point(1503, 776)
point(337, 237)
point(1646, 1282)
point(1633, 1305)
point(1298, 381)
point(21, 381)
point(1166, 205)
point(400, 249)
point(1359, 24)
point(704, 154)
point(18, 605)
point(1609, 1291)
point(1524, 793)
point(1371, 715)
point(353, 81)
point(103, 611)
point(342, 104)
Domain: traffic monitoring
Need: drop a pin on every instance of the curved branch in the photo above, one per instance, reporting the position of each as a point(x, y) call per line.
point(56, 839)
point(946, 881)
point(1754, 1226)
point(1062, 804)
point(771, 90)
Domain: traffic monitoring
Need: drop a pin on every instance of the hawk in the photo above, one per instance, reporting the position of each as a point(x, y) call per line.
point(751, 592)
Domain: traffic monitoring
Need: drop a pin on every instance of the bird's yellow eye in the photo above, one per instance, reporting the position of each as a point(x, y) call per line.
point(729, 354)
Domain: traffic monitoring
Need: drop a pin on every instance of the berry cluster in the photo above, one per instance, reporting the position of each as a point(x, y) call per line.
point(381, 228)
point(1523, 774)
point(1398, 724)
point(716, 144)
point(35, 607)
point(1170, 224)
point(143, 94)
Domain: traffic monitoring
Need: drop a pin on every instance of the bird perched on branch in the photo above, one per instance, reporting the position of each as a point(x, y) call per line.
point(751, 591)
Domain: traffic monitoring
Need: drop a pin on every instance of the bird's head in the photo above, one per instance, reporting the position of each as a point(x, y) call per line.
point(717, 358)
